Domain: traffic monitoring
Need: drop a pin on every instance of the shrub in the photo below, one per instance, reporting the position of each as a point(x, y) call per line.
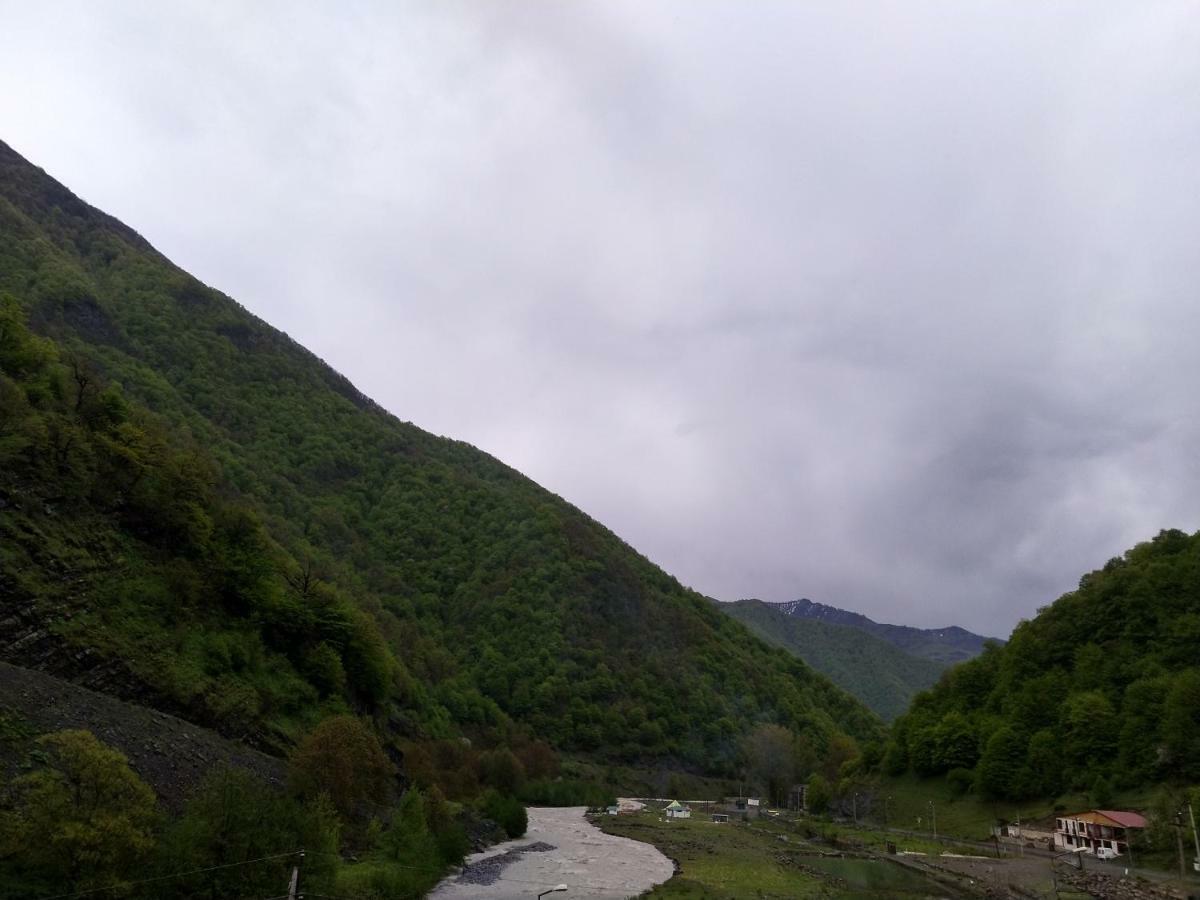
point(819, 795)
point(507, 812)
point(86, 815)
point(342, 758)
point(566, 792)
point(501, 770)
point(960, 780)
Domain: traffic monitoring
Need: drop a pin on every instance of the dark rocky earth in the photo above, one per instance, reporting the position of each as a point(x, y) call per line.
point(488, 871)
point(172, 755)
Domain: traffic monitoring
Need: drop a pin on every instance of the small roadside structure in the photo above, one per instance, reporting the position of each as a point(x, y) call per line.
point(1024, 835)
point(676, 810)
point(1097, 829)
point(744, 807)
point(720, 818)
point(749, 807)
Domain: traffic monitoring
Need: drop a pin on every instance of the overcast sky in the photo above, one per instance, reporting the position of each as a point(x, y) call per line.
point(893, 306)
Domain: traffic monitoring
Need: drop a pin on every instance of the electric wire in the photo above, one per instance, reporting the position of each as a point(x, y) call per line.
point(128, 884)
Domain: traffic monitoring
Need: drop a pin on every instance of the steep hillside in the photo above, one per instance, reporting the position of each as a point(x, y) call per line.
point(942, 645)
point(124, 567)
point(172, 755)
point(201, 514)
point(1100, 690)
point(877, 673)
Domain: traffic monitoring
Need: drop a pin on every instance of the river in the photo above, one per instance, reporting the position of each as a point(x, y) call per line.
point(560, 847)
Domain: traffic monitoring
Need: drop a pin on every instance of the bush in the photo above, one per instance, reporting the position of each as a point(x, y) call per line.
point(1102, 792)
point(376, 879)
point(819, 795)
point(452, 844)
point(960, 781)
point(85, 816)
point(235, 817)
point(501, 770)
point(566, 792)
point(342, 759)
point(507, 812)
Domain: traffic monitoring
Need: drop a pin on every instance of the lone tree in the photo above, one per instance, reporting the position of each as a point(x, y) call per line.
point(771, 757)
point(342, 758)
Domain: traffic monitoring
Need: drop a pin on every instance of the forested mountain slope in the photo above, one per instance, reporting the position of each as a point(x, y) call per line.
point(198, 512)
point(941, 645)
point(1102, 686)
point(873, 670)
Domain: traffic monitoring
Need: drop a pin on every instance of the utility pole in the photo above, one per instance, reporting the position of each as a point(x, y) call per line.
point(1179, 842)
point(294, 884)
point(855, 809)
point(933, 816)
point(1195, 836)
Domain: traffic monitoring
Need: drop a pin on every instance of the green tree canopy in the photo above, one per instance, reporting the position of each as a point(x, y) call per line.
point(84, 814)
point(1101, 685)
point(771, 759)
point(341, 758)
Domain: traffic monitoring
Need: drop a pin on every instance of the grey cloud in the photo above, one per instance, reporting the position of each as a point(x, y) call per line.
point(890, 305)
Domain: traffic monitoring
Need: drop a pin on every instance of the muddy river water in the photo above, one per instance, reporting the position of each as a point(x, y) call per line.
point(560, 847)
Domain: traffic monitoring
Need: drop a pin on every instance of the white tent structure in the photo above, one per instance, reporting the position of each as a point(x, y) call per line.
point(676, 810)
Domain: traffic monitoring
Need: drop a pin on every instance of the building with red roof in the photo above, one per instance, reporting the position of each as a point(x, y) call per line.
point(1097, 829)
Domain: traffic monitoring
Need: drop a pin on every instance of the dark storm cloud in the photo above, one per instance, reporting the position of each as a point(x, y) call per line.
point(888, 305)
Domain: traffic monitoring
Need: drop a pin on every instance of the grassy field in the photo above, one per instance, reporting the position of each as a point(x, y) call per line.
point(788, 857)
point(762, 859)
point(810, 858)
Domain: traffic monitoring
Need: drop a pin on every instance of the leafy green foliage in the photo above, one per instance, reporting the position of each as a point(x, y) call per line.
point(500, 769)
point(84, 819)
point(771, 760)
point(263, 546)
point(341, 760)
point(960, 780)
point(565, 792)
point(1101, 691)
point(819, 794)
point(235, 818)
point(1001, 766)
point(103, 500)
point(410, 853)
point(507, 812)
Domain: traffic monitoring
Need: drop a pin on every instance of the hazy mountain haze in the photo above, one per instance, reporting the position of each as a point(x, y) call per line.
point(891, 304)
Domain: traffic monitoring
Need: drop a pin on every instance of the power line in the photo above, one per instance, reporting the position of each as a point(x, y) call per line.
point(128, 884)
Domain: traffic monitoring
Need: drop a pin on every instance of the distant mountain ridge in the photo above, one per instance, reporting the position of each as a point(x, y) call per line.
point(948, 645)
point(881, 675)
